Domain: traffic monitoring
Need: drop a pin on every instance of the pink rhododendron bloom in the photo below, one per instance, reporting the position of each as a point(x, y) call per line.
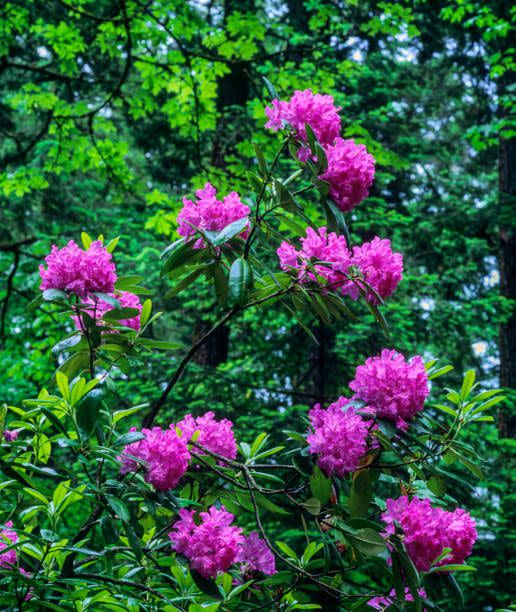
point(211, 544)
point(318, 110)
point(383, 603)
point(427, 531)
point(77, 271)
point(209, 214)
point(7, 538)
point(382, 269)
point(349, 173)
point(339, 437)
point(255, 557)
point(319, 245)
point(98, 308)
point(9, 559)
point(216, 436)
point(165, 454)
point(395, 388)
point(10, 435)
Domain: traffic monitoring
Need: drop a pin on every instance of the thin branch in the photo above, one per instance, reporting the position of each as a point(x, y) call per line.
point(149, 419)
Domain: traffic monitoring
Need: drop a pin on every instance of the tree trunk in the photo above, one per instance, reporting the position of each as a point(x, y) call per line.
point(507, 263)
point(232, 92)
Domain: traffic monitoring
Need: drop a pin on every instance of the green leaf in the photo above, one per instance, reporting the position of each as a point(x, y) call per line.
point(467, 384)
point(320, 486)
point(312, 505)
point(208, 587)
point(109, 529)
point(437, 484)
point(86, 240)
point(129, 438)
point(117, 314)
point(181, 255)
point(112, 244)
point(368, 541)
point(361, 493)
point(270, 88)
point(49, 295)
point(162, 345)
point(453, 567)
point(87, 412)
point(42, 448)
point(118, 507)
point(262, 164)
point(240, 281)
point(230, 231)
point(286, 550)
point(122, 414)
point(145, 313)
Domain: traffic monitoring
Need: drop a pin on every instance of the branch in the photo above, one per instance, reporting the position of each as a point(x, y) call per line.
point(149, 419)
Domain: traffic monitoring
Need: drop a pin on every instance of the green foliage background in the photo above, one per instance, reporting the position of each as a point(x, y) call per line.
point(112, 111)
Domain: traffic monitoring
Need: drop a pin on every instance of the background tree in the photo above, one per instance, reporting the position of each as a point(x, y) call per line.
point(111, 111)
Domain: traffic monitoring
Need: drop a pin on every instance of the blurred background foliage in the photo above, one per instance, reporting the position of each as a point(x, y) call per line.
point(112, 110)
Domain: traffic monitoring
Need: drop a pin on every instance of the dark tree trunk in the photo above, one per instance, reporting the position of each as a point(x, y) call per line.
point(232, 94)
point(507, 263)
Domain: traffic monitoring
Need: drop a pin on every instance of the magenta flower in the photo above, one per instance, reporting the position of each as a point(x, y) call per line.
point(10, 435)
point(322, 246)
point(98, 308)
point(216, 436)
point(395, 388)
point(211, 544)
point(319, 111)
point(382, 269)
point(349, 174)
point(7, 538)
point(427, 531)
point(339, 437)
point(165, 456)
point(209, 214)
point(383, 603)
point(77, 271)
point(255, 557)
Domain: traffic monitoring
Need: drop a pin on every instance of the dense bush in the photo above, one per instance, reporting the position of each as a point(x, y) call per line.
point(107, 510)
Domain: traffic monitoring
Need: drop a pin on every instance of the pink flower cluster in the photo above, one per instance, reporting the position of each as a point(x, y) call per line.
point(9, 559)
point(304, 107)
point(215, 436)
point(323, 246)
point(384, 603)
point(427, 531)
point(208, 213)
point(339, 437)
point(255, 557)
point(211, 545)
point(395, 388)
point(98, 308)
point(164, 453)
point(79, 271)
point(7, 538)
point(349, 174)
point(380, 268)
point(350, 169)
point(10, 435)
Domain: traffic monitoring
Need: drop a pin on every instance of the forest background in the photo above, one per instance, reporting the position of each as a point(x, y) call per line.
point(112, 110)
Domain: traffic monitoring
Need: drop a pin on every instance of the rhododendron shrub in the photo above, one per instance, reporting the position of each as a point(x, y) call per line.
point(162, 506)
